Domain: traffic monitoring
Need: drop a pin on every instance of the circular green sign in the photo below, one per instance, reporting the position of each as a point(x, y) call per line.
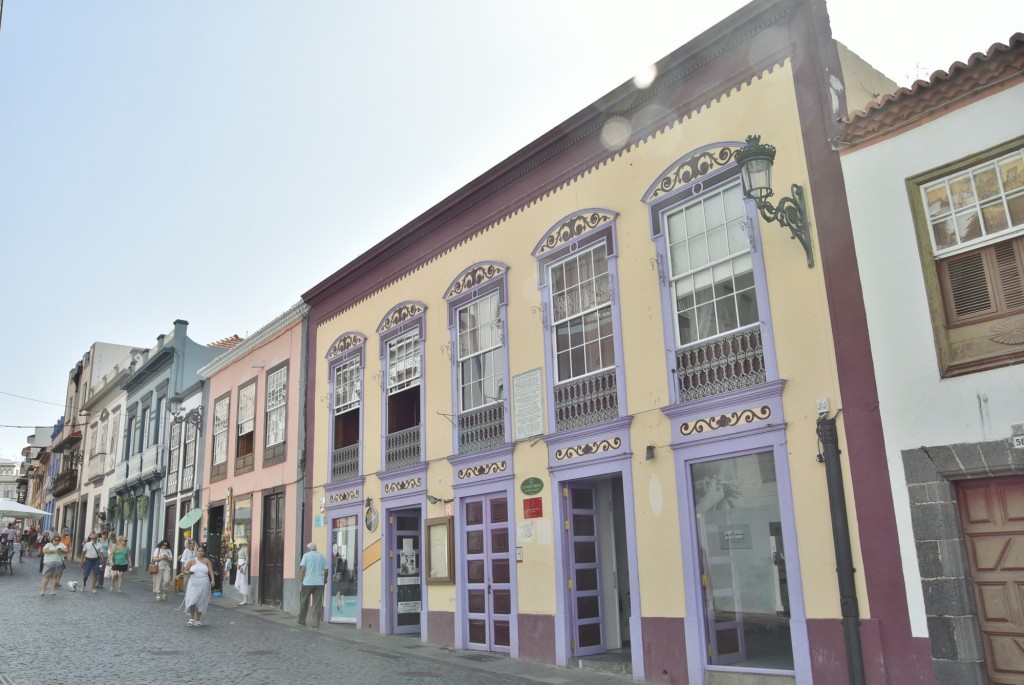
point(531, 486)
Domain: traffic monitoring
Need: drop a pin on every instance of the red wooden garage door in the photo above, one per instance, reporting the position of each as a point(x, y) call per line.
point(993, 518)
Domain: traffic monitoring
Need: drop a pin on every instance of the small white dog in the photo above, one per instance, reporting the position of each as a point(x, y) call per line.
point(72, 586)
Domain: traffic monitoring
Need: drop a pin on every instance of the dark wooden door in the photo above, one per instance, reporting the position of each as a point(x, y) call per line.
point(992, 511)
point(170, 524)
point(272, 549)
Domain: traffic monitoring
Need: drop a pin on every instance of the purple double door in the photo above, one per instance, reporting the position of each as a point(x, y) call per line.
point(488, 572)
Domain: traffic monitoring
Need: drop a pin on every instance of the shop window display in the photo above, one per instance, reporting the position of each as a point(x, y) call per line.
point(746, 597)
point(345, 576)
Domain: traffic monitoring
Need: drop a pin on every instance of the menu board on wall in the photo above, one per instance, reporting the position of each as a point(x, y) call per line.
point(527, 405)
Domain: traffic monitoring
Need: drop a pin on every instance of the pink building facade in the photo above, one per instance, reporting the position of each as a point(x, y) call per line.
point(252, 471)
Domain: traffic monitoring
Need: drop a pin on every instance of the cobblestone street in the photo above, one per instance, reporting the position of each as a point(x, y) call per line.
point(130, 639)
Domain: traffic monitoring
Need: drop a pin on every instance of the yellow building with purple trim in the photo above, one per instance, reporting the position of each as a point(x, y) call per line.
point(575, 408)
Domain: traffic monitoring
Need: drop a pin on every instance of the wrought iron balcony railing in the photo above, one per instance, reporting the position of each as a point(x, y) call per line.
point(345, 463)
point(586, 401)
point(717, 366)
point(481, 428)
point(402, 449)
point(65, 482)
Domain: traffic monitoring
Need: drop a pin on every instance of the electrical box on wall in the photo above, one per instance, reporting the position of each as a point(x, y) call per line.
point(823, 405)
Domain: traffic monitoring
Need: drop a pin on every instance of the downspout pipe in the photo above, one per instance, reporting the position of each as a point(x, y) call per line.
point(829, 438)
point(304, 474)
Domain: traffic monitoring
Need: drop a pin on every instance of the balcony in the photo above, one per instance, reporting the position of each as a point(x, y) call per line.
point(97, 467)
point(402, 449)
point(721, 365)
point(482, 428)
point(586, 401)
point(345, 463)
point(150, 462)
point(66, 481)
point(118, 474)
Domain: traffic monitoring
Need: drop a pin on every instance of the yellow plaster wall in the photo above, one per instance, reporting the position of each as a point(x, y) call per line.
point(864, 84)
point(803, 350)
point(536, 575)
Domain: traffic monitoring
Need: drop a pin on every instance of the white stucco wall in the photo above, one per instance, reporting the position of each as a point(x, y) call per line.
point(917, 406)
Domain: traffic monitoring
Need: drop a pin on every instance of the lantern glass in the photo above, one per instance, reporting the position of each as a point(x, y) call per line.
point(756, 173)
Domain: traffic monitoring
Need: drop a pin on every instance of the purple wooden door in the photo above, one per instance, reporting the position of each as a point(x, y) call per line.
point(585, 571)
point(406, 580)
point(488, 569)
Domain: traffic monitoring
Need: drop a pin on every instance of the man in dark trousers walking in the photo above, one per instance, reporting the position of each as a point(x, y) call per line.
point(313, 574)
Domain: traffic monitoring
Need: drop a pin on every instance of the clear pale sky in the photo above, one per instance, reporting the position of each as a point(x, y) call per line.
point(213, 160)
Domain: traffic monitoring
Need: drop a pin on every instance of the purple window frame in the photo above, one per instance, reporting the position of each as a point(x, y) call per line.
point(354, 347)
point(405, 317)
point(476, 282)
point(660, 202)
point(758, 438)
point(337, 511)
point(578, 231)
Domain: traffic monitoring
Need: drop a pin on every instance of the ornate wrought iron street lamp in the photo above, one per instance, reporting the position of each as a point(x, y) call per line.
point(192, 416)
point(756, 160)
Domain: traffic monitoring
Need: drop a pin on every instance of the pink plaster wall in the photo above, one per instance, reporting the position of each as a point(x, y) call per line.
point(285, 346)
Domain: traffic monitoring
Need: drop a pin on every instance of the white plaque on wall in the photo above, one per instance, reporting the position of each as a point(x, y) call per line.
point(527, 405)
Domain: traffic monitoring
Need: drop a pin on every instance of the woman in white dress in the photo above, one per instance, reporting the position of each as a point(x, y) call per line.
point(242, 573)
point(197, 595)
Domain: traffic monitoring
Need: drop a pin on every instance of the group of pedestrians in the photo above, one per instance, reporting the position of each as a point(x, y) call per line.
point(97, 553)
point(101, 560)
point(14, 539)
point(197, 577)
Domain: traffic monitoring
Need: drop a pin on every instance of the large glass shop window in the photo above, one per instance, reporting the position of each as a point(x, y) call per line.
point(345, 576)
point(739, 528)
point(242, 522)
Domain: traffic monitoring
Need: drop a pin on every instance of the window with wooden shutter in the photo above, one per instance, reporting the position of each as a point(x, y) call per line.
point(985, 283)
point(969, 221)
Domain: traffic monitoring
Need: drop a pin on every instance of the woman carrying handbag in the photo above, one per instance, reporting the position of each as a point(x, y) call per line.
point(162, 557)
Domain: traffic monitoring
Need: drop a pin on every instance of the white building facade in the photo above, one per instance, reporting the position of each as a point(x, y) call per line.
point(935, 182)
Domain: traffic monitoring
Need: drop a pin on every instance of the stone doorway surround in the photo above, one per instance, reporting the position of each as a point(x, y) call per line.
point(957, 651)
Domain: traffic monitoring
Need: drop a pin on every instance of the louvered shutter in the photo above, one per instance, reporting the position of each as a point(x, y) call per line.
point(967, 288)
point(1008, 259)
point(984, 282)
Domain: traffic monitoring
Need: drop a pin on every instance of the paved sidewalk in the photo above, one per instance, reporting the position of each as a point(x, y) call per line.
point(131, 639)
point(399, 646)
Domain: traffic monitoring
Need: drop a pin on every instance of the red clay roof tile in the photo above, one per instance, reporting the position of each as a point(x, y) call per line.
point(226, 343)
point(944, 88)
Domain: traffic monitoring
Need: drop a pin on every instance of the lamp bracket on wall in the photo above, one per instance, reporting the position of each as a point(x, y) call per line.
point(791, 213)
point(179, 415)
point(438, 500)
point(756, 160)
